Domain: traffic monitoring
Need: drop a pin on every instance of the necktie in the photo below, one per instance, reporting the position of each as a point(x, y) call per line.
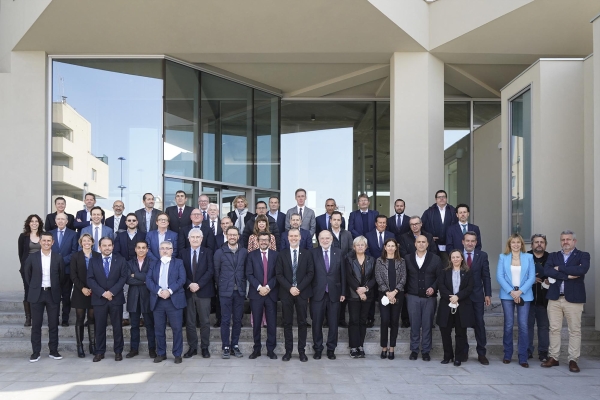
point(106, 265)
point(294, 268)
point(204, 214)
point(326, 221)
point(300, 213)
point(380, 240)
point(464, 229)
point(194, 265)
point(96, 239)
point(327, 268)
point(180, 213)
point(61, 234)
point(212, 226)
point(265, 267)
point(398, 221)
point(469, 260)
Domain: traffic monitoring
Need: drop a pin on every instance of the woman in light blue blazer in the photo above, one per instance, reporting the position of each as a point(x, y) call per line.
point(516, 275)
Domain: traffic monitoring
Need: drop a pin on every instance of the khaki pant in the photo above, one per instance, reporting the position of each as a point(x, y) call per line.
point(557, 309)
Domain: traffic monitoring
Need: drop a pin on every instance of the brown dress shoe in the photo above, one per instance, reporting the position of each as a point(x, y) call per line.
point(125, 322)
point(573, 367)
point(550, 363)
point(483, 359)
point(506, 361)
point(524, 365)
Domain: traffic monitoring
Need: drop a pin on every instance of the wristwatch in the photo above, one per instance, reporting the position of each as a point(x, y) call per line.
point(515, 288)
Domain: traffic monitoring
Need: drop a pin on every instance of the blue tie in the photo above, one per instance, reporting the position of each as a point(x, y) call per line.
point(106, 265)
point(96, 239)
point(60, 237)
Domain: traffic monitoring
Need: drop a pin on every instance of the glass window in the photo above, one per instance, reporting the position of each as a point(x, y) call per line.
point(520, 163)
point(485, 111)
point(266, 120)
point(173, 185)
point(457, 151)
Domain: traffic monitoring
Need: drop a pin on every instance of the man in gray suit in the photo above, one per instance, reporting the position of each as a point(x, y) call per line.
point(147, 216)
point(95, 229)
point(306, 214)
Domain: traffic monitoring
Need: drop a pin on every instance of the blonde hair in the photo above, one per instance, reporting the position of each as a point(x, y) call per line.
point(508, 250)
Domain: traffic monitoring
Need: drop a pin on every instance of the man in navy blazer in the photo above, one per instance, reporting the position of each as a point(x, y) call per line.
point(83, 217)
point(433, 223)
point(179, 214)
point(199, 289)
point(322, 220)
point(208, 238)
point(118, 218)
point(125, 242)
point(377, 237)
point(329, 289)
point(165, 281)
point(263, 292)
point(362, 220)
point(65, 244)
point(60, 203)
point(478, 263)
point(276, 214)
point(96, 229)
point(305, 236)
point(454, 234)
point(106, 277)
point(398, 223)
point(566, 297)
point(156, 237)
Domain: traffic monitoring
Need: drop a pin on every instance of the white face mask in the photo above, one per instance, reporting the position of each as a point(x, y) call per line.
point(165, 259)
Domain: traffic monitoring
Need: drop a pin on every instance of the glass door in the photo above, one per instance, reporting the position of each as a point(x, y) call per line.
point(224, 196)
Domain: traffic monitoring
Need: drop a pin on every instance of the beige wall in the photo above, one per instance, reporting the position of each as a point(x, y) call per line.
point(588, 178)
point(24, 140)
point(596, 136)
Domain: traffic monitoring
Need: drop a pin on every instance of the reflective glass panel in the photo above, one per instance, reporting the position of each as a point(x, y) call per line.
point(382, 149)
point(520, 156)
point(484, 111)
point(266, 120)
point(457, 151)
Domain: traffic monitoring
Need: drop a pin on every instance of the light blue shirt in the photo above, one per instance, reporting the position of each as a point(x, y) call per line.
point(565, 258)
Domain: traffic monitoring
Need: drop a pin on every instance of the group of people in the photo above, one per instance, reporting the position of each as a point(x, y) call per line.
point(170, 268)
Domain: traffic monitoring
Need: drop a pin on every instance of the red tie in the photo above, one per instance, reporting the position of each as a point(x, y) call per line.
point(265, 267)
point(180, 212)
point(469, 260)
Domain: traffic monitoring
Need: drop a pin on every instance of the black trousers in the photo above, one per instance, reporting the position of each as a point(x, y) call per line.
point(287, 307)
point(101, 314)
point(460, 337)
point(479, 328)
point(66, 287)
point(37, 318)
point(320, 309)
point(371, 316)
point(342, 313)
point(269, 307)
point(357, 329)
point(390, 319)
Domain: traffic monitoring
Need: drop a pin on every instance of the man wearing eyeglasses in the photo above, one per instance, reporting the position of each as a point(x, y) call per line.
point(162, 234)
point(538, 311)
point(437, 219)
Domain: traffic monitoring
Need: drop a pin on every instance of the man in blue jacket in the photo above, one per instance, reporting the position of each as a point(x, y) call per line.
point(65, 244)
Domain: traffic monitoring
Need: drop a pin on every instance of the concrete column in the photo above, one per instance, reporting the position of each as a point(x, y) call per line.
point(417, 129)
point(595, 253)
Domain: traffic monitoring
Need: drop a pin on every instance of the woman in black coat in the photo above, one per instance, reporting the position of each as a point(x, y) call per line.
point(29, 242)
point(455, 285)
point(360, 278)
point(81, 298)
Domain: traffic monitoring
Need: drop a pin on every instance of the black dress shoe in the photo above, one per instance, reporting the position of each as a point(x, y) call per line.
point(483, 359)
point(303, 357)
point(178, 360)
point(287, 356)
point(426, 357)
point(131, 354)
point(383, 354)
point(190, 353)
point(158, 359)
point(370, 323)
point(331, 355)
point(98, 357)
point(413, 355)
point(317, 355)
point(457, 363)
point(118, 357)
point(272, 355)
point(65, 323)
point(446, 360)
point(205, 353)
point(390, 355)
point(152, 353)
point(254, 355)
point(405, 324)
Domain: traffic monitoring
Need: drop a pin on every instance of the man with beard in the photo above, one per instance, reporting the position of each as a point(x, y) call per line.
point(538, 311)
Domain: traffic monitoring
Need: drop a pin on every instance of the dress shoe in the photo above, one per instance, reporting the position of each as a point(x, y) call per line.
point(152, 353)
point(447, 360)
point(141, 322)
point(370, 323)
point(65, 324)
point(125, 322)
point(506, 361)
point(390, 355)
point(483, 359)
point(98, 357)
point(457, 363)
point(573, 367)
point(550, 363)
point(287, 356)
point(190, 353)
point(342, 324)
point(159, 358)
point(331, 355)
point(303, 357)
point(272, 355)
point(118, 357)
point(254, 355)
point(405, 324)
point(383, 354)
point(413, 355)
point(317, 355)
point(131, 354)
point(178, 360)
point(205, 353)
point(217, 324)
point(426, 357)
point(524, 365)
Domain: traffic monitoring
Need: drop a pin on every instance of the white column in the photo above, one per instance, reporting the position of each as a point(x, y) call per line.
point(595, 251)
point(417, 129)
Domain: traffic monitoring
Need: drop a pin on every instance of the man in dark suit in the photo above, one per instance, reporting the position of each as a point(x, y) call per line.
point(230, 275)
point(342, 240)
point(65, 243)
point(305, 236)
point(329, 289)
point(43, 272)
point(454, 234)
point(437, 219)
point(199, 289)
point(165, 281)
point(261, 209)
point(60, 203)
point(96, 229)
point(422, 271)
point(307, 215)
point(377, 237)
point(117, 221)
point(362, 220)
point(83, 217)
point(566, 297)
point(208, 239)
point(295, 270)
point(203, 206)
point(407, 240)
point(156, 237)
point(138, 299)
point(125, 242)
point(213, 222)
point(478, 263)
point(322, 220)
point(398, 223)
point(106, 279)
point(179, 214)
point(276, 214)
point(263, 292)
point(147, 216)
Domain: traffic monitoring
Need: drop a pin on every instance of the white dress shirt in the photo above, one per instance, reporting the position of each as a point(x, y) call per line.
point(46, 269)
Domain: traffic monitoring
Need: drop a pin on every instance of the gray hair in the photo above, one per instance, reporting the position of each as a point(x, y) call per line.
point(166, 242)
point(213, 205)
point(195, 230)
point(360, 239)
point(416, 217)
point(568, 232)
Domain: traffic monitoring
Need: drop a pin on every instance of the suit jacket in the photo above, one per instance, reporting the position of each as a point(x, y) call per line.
point(373, 248)
point(355, 222)
point(122, 243)
point(138, 294)
point(50, 223)
point(354, 278)
point(454, 237)
point(208, 238)
point(110, 222)
point(280, 221)
point(308, 219)
point(305, 240)
point(418, 280)
point(578, 264)
point(407, 244)
point(432, 222)
point(23, 246)
point(154, 242)
point(79, 278)
point(383, 278)
point(175, 280)
point(321, 224)
point(255, 274)
point(68, 246)
point(220, 240)
point(398, 230)
point(175, 223)
point(230, 270)
point(82, 215)
point(141, 217)
point(482, 281)
point(207, 223)
point(333, 280)
point(99, 283)
point(204, 273)
point(465, 311)
point(304, 273)
point(105, 232)
point(33, 276)
point(344, 242)
point(504, 276)
point(249, 230)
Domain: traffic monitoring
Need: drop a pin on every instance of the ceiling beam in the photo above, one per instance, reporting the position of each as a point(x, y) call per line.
point(467, 83)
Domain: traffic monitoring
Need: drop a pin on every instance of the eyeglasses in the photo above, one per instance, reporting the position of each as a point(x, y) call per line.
point(162, 220)
point(196, 214)
point(416, 224)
